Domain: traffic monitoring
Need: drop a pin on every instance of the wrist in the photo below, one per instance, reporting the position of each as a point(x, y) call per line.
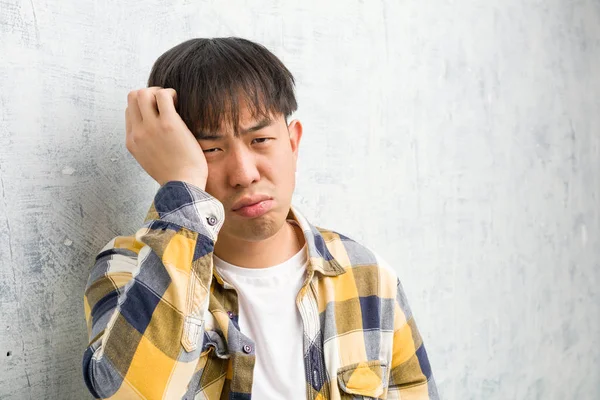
point(198, 182)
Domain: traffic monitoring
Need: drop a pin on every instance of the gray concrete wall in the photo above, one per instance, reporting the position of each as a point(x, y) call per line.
point(461, 140)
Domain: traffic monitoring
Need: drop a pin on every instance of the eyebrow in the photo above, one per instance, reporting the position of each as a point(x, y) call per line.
point(215, 136)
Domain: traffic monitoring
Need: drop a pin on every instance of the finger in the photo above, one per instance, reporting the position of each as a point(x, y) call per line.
point(128, 125)
point(166, 100)
point(147, 103)
point(134, 108)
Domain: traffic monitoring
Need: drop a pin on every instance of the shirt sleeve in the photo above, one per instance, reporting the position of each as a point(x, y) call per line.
point(146, 298)
point(410, 375)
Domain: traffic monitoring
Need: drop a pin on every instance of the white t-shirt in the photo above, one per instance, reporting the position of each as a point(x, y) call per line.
point(269, 316)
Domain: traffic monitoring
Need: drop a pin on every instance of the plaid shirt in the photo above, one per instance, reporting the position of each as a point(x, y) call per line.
point(162, 324)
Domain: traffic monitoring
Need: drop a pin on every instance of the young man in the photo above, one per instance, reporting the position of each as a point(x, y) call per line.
point(227, 291)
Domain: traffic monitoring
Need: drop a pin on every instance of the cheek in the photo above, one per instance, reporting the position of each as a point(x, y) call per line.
point(280, 167)
point(283, 173)
point(212, 182)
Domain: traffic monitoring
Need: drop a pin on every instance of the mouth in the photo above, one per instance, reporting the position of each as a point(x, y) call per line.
point(249, 201)
point(256, 209)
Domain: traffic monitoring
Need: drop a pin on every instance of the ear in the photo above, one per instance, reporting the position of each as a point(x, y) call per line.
point(295, 131)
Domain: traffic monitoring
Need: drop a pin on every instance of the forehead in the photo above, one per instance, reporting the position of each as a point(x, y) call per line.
point(246, 124)
point(234, 118)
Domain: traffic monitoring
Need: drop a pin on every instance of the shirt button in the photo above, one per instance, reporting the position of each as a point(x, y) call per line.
point(230, 314)
point(247, 349)
point(212, 221)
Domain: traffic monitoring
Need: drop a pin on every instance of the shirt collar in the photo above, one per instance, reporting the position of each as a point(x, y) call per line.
point(320, 258)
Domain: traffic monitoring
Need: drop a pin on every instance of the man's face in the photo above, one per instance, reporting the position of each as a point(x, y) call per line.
point(261, 161)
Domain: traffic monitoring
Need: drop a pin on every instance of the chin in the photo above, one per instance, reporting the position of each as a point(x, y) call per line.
point(256, 229)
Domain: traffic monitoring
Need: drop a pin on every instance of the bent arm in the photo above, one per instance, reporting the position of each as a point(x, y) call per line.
point(146, 299)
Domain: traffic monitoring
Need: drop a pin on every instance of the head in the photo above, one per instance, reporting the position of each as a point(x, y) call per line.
point(236, 97)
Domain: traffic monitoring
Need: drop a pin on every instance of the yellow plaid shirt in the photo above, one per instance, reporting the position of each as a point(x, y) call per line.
point(162, 323)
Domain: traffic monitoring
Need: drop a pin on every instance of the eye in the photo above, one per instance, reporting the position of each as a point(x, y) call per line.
point(263, 139)
point(211, 150)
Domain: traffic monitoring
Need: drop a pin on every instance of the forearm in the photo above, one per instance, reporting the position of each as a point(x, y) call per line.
point(147, 296)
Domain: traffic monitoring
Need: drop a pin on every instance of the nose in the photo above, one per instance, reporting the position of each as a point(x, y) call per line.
point(242, 168)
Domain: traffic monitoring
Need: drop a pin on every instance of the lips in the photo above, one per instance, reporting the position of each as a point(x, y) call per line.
point(249, 200)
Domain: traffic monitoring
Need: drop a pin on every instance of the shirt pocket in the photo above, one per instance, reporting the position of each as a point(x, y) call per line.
point(364, 380)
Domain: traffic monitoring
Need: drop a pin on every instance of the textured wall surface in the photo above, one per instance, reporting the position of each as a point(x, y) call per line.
point(467, 134)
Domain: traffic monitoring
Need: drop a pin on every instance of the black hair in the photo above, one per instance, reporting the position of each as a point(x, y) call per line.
point(210, 75)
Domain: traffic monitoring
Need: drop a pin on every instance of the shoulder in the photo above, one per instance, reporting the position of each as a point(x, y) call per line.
point(362, 261)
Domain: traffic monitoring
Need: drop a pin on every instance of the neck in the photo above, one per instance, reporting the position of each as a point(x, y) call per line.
point(269, 252)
